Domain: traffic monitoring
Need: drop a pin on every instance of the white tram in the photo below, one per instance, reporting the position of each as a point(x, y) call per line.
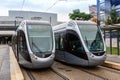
point(79, 43)
point(34, 45)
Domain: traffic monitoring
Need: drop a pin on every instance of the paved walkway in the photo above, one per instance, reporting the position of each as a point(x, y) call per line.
point(113, 58)
point(4, 63)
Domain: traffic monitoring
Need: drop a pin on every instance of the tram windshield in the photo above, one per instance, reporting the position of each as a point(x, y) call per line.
point(92, 37)
point(40, 37)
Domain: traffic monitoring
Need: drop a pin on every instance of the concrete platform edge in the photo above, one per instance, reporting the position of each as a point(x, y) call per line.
point(15, 71)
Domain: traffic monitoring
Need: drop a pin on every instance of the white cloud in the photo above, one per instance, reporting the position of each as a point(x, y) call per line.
point(3, 11)
point(62, 7)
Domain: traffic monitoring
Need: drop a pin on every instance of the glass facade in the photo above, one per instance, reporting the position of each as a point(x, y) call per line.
point(107, 5)
point(115, 2)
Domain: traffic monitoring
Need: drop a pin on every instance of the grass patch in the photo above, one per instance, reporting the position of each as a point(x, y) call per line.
point(114, 50)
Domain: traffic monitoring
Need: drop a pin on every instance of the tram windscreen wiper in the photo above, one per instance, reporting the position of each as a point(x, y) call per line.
point(36, 46)
point(86, 41)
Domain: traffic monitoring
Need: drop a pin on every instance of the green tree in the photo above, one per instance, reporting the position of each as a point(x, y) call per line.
point(113, 18)
point(108, 22)
point(76, 14)
point(113, 15)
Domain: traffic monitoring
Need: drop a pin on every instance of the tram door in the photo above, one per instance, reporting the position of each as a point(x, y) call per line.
point(59, 39)
point(74, 45)
point(22, 46)
point(73, 42)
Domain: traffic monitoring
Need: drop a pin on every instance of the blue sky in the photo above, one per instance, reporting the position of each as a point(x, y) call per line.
point(61, 7)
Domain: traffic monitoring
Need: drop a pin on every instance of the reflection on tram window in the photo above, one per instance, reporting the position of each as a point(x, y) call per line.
point(22, 42)
point(92, 37)
point(40, 37)
point(74, 42)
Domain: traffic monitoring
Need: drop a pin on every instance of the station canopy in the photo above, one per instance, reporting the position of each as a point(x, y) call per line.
point(7, 33)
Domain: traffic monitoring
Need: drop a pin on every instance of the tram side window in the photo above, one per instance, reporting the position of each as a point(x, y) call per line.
point(61, 42)
point(22, 42)
point(57, 41)
point(74, 42)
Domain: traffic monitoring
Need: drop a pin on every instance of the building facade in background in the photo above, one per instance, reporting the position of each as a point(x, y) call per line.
point(93, 10)
point(8, 24)
point(30, 15)
point(106, 6)
point(112, 35)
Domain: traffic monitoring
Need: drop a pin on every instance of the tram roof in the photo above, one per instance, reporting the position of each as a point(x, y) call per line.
point(83, 22)
point(73, 22)
point(36, 21)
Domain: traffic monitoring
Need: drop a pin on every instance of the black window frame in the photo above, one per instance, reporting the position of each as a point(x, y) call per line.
point(60, 37)
point(78, 53)
point(22, 45)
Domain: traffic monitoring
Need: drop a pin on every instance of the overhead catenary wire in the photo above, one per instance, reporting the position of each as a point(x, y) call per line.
point(22, 4)
point(57, 2)
point(53, 4)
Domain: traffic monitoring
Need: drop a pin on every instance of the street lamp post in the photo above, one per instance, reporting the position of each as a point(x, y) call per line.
point(98, 11)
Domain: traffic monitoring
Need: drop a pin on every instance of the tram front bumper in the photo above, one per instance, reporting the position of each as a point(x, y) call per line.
point(42, 62)
point(96, 60)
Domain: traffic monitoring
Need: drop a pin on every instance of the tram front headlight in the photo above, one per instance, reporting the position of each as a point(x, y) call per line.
point(91, 55)
point(33, 56)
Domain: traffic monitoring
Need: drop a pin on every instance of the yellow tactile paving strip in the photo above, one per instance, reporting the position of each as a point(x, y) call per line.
point(112, 65)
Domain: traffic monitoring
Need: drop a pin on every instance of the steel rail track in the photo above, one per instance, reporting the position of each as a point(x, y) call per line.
point(84, 70)
point(76, 67)
point(59, 74)
point(110, 69)
point(30, 75)
point(53, 70)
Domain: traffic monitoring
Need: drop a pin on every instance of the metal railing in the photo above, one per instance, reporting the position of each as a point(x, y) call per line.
point(113, 37)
